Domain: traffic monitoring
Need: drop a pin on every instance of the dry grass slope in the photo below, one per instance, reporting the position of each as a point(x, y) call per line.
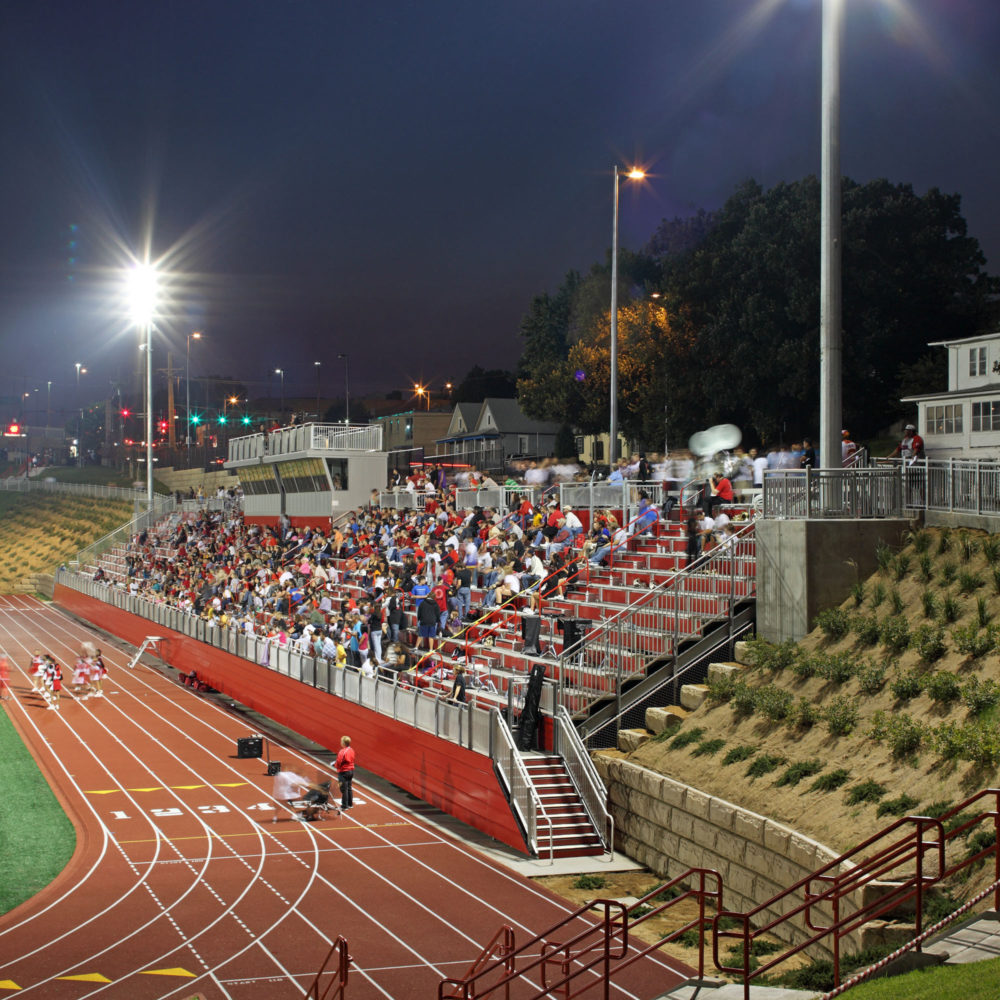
point(890, 708)
point(38, 532)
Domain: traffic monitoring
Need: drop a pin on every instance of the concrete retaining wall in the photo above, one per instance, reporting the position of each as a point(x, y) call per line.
point(670, 827)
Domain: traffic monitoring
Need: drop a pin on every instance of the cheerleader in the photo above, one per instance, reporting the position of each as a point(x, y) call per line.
point(81, 678)
point(97, 674)
point(35, 671)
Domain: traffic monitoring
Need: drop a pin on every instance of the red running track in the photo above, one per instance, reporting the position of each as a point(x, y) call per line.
point(182, 885)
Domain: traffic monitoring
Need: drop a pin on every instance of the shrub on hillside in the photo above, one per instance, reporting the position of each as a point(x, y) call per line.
point(928, 641)
point(900, 566)
point(979, 696)
point(707, 748)
point(765, 764)
point(900, 732)
point(833, 622)
point(906, 686)
point(878, 595)
point(867, 629)
point(897, 807)
point(686, 738)
point(943, 687)
point(895, 635)
point(866, 791)
point(806, 715)
point(926, 564)
point(969, 582)
point(736, 754)
point(744, 699)
point(837, 668)
point(971, 642)
point(774, 703)
point(871, 677)
point(721, 689)
point(799, 770)
point(841, 716)
point(831, 781)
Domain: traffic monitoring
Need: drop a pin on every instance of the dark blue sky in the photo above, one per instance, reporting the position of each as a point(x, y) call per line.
point(397, 179)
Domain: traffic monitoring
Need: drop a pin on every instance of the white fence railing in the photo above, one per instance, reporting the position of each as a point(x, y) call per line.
point(306, 437)
point(889, 489)
point(17, 484)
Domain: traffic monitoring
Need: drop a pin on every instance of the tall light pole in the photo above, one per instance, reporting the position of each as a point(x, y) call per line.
point(281, 372)
point(79, 414)
point(830, 338)
point(423, 393)
point(317, 365)
point(142, 293)
point(636, 175)
point(48, 405)
point(187, 379)
point(347, 387)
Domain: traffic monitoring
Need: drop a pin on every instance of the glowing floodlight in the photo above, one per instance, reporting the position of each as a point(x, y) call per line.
point(142, 294)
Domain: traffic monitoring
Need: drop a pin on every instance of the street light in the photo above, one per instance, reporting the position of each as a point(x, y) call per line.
point(347, 387)
point(423, 393)
point(281, 372)
point(142, 296)
point(195, 335)
point(830, 313)
point(317, 365)
point(79, 414)
point(635, 174)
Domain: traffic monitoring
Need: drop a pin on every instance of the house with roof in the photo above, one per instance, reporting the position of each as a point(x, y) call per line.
point(488, 434)
point(963, 420)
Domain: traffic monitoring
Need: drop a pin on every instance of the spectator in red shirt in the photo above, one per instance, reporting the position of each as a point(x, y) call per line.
point(345, 773)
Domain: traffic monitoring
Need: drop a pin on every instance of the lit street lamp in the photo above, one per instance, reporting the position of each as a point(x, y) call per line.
point(142, 295)
point(347, 387)
point(187, 379)
point(423, 393)
point(281, 372)
point(636, 175)
point(79, 415)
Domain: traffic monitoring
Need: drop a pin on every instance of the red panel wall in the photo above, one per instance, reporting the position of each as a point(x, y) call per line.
point(456, 780)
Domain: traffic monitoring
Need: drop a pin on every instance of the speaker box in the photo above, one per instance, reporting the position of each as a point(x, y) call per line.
point(531, 628)
point(250, 746)
point(273, 767)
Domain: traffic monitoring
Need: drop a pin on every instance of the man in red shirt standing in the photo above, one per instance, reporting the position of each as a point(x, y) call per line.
point(345, 773)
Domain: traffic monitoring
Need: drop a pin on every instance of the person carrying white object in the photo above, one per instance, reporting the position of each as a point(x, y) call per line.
point(288, 788)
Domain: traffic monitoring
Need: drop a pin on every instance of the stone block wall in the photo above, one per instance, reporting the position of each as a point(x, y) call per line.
point(670, 827)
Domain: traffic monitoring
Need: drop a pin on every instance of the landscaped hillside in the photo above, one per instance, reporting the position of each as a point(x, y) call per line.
point(40, 531)
point(890, 707)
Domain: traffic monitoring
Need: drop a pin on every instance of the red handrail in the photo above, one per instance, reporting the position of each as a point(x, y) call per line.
point(339, 984)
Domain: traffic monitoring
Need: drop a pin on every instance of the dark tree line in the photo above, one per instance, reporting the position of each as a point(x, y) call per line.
point(719, 316)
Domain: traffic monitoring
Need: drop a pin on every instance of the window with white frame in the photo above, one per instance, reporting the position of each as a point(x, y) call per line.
point(986, 416)
point(977, 361)
point(944, 419)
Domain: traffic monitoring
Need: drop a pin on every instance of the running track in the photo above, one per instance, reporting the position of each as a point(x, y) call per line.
point(182, 885)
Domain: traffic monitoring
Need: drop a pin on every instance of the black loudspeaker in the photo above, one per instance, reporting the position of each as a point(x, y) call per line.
point(531, 629)
point(573, 630)
point(273, 767)
point(529, 714)
point(250, 746)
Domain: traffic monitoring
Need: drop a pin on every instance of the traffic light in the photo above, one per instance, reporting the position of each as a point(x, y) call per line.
point(126, 412)
point(195, 418)
point(13, 430)
point(222, 418)
point(246, 420)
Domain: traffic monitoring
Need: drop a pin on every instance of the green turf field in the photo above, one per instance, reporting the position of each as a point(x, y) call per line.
point(36, 837)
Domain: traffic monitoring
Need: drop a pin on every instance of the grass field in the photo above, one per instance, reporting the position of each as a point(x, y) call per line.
point(977, 981)
point(98, 475)
point(36, 837)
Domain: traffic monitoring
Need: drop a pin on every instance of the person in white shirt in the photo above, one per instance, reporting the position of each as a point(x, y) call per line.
point(573, 524)
point(759, 467)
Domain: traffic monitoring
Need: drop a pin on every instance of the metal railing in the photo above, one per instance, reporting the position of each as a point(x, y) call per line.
point(402, 499)
point(891, 488)
point(875, 492)
point(652, 627)
point(602, 495)
point(524, 798)
point(15, 484)
point(583, 774)
point(305, 437)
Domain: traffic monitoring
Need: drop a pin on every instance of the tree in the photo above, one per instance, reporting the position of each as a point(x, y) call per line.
point(480, 383)
point(748, 295)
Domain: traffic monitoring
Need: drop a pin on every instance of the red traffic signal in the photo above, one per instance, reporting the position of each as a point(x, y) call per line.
point(13, 430)
point(126, 412)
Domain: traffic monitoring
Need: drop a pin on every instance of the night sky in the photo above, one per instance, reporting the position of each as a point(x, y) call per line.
point(396, 180)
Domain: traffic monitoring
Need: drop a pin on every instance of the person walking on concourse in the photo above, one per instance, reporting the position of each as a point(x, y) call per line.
point(345, 773)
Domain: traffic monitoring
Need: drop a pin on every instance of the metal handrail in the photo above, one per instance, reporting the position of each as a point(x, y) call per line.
point(616, 635)
point(582, 772)
point(524, 796)
point(338, 985)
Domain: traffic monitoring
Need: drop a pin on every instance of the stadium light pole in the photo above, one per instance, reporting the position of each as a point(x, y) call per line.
point(831, 246)
point(635, 174)
point(79, 413)
point(317, 365)
point(281, 372)
point(187, 379)
point(347, 387)
point(142, 295)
